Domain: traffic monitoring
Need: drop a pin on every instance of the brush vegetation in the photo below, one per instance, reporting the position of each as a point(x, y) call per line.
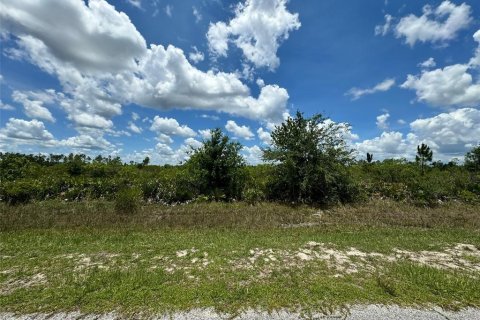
point(308, 162)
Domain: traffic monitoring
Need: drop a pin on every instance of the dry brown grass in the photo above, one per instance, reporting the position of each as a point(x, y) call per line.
point(56, 214)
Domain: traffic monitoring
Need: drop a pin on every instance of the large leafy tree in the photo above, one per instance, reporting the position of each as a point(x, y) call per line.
point(309, 157)
point(217, 167)
point(424, 155)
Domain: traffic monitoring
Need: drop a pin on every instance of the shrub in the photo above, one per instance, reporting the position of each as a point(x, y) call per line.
point(253, 195)
point(472, 159)
point(310, 157)
point(218, 168)
point(18, 192)
point(127, 201)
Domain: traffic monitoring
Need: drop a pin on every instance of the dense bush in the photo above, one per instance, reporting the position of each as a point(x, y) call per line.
point(25, 178)
point(310, 160)
point(127, 201)
point(217, 167)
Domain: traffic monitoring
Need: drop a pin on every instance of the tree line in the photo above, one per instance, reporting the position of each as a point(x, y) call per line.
point(308, 162)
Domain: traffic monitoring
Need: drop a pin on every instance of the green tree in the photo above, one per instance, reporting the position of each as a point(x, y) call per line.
point(217, 167)
point(472, 159)
point(309, 157)
point(146, 161)
point(369, 157)
point(424, 155)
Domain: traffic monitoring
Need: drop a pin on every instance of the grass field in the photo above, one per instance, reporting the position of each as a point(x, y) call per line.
point(83, 256)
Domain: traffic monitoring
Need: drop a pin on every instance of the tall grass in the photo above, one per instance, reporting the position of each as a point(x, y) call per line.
point(105, 214)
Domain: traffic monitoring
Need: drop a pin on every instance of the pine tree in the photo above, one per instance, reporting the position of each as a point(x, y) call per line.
point(424, 155)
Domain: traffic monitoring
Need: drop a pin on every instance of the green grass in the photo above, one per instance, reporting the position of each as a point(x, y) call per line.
point(136, 264)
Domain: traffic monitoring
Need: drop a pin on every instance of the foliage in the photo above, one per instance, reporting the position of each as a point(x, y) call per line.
point(472, 159)
point(127, 201)
point(26, 178)
point(310, 158)
point(424, 155)
point(253, 196)
point(218, 168)
point(369, 157)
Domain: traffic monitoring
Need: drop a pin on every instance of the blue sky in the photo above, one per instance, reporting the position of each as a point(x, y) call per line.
point(136, 77)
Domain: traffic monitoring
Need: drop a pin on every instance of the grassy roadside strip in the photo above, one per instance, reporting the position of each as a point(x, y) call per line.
point(62, 256)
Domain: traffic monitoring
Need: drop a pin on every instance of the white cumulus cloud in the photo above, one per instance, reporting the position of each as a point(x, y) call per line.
point(93, 37)
point(436, 25)
point(33, 104)
point(28, 131)
point(196, 56)
point(448, 134)
point(264, 136)
point(450, 86)
point(258, 28)
point(171, 127)
point(243, 132)
point(253, 154)
point(382, 121)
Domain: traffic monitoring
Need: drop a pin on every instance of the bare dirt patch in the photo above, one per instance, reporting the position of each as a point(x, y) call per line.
point(21, 283)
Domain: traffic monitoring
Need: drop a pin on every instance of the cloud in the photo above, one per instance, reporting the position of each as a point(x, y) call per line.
point(29, 132)
point(191, 142)
point(86, 142)
point(382, 121)
point(23, 132)
point(253, 155)
point(209, 116)
point(450, 86)
point(197, 14)
point(135, 3)
point(475, 61)
point(205, 134)
point(33, 104)
point(134, 128)
point(258, 28)
point(164, 138)
point(170, 81)
point(243, 132)
point(115, 67)
point(448, 134)
point(384, 29)
point(260, 83)
point(90, 121)
point(383, 86)
point(164, 149)
point(93, 38)
point(427, 64)
point(387, 145)
point(344, 132)
point(171, 127)
point(264, 136)
point(196, 56)
point(169, 10)
point(5, 106)
point(165, 154)
point(435, 25)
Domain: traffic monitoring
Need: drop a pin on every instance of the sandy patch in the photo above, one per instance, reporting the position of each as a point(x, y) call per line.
point(22, 283)
point(353, 260)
